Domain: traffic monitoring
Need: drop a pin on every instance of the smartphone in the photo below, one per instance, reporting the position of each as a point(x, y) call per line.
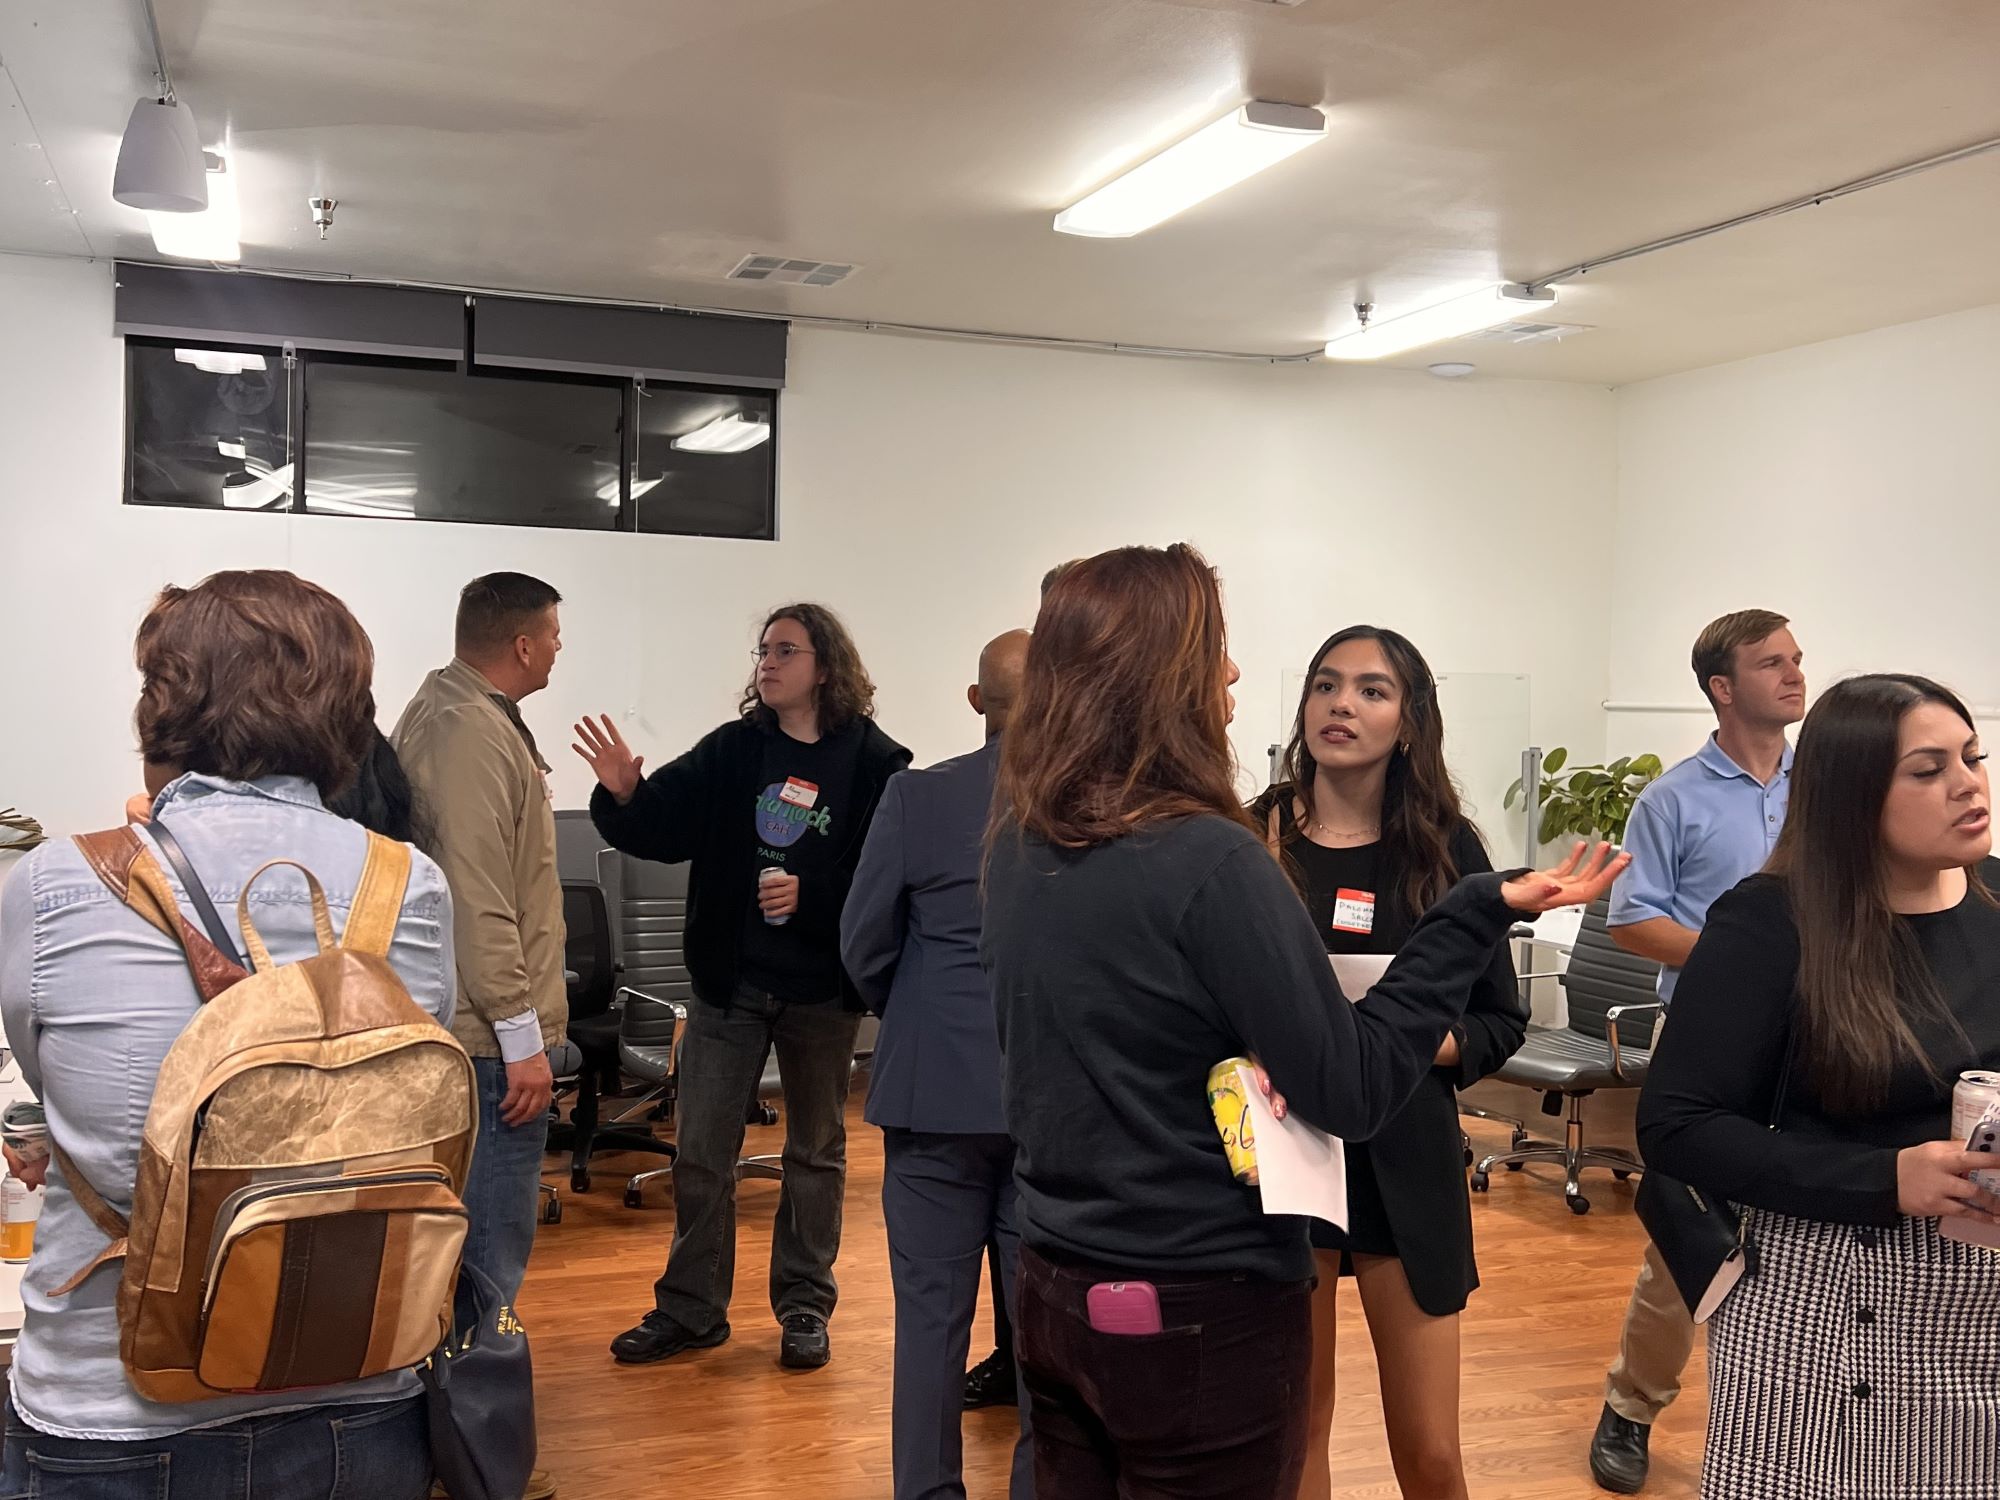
point(1985, 1140)
point(1126, 1307)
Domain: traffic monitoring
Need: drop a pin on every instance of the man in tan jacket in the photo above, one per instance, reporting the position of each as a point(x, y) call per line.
point(484, 785)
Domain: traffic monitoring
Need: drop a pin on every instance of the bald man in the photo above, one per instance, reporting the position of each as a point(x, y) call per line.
point(909, 935)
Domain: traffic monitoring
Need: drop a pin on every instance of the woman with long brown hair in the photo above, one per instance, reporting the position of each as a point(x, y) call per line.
point(1369, 824)
point(771, 809)
point(1860, 975)
point(1138, 933)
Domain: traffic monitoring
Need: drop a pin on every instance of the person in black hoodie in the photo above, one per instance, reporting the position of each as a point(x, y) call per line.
point(771, 809)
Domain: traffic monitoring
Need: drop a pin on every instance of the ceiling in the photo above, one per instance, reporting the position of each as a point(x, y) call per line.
point(639, 148)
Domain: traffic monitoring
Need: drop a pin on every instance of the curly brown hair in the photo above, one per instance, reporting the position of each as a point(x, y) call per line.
point(847, 693)
point(252, 674)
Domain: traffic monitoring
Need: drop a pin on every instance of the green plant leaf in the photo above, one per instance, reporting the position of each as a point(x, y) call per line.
point(1513, 792)
point(1556, 759)
point(1553, 819)
point(1619, 767)
point(1647, 766)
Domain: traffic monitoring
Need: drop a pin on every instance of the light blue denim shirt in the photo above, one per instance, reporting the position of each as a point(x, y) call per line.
point(93, 997)
point(1700, 829)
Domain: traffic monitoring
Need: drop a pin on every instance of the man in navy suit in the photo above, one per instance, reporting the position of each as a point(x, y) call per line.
point(909, 935)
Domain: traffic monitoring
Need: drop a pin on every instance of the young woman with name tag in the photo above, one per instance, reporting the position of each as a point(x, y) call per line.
point(1858, 1356)
point(1369, 827)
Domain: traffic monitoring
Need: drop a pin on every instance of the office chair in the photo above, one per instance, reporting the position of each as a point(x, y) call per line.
point(1606, 987)
point(596, 1002)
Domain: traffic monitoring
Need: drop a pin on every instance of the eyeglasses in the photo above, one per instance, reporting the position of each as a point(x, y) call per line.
point(784, 651)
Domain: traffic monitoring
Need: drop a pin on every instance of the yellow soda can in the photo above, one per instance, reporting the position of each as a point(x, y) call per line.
point(1232, 1117)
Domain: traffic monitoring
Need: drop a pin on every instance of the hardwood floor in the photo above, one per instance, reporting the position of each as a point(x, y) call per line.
point(728, 1422)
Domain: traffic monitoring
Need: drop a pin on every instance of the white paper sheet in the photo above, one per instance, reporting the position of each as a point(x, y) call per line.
point(1358, 972)
point(1300, 1169)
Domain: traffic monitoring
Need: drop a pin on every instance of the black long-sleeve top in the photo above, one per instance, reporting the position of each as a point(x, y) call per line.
point(1704, 1113)
point(1123, 973)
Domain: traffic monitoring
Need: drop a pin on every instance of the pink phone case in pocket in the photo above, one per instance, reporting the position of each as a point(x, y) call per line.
point(1125, 1307)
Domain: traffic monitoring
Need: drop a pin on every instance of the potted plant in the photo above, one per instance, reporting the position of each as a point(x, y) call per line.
point(1591, 802)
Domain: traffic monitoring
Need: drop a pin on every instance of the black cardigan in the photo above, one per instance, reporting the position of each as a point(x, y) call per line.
point(1704, 1112)
point(697, 808)
point(1419, 1156)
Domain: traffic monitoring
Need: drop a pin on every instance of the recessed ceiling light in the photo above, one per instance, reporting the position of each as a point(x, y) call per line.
point(1445, 320)
point(1219, 155)
point(1452, 369)
point(730, 434)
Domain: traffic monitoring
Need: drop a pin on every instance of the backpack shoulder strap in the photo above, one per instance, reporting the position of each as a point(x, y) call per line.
point(378, 898)
point(102, 1214)
point(126, 866)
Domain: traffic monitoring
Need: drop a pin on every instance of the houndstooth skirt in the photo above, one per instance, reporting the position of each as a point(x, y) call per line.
point(1857, 1364)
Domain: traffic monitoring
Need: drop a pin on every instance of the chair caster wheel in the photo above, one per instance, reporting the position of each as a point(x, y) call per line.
point(552, 1214)
point(1515, 1166)
point(1621, 1176)
point(1480, 1182)
point(579, 1180)
point(632, 1197)
point(1579, 1204)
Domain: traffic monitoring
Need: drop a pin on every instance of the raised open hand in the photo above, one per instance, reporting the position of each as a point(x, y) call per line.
point(1577, 881)
point(604, 750)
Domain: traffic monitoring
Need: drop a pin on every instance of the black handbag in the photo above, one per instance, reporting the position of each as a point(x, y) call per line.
point(479, 1391)
point(1702, 1239)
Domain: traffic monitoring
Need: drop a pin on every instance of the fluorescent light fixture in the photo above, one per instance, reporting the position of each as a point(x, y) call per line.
point(231, 450)
point(608, 491)
point(219, 361)
point(1488, 306)
point(731, 434)
point(212, 234)
point(159, 160)
point(1219, 155)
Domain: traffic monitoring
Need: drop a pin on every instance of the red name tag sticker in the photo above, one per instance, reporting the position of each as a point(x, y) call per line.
point(798, 793)
point(1354, 911)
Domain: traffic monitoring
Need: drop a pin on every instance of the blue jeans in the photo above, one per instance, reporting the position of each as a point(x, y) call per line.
point(504, 1191)
point(375, 1451)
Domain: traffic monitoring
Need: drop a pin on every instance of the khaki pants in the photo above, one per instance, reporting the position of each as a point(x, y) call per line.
point(1653, 1350)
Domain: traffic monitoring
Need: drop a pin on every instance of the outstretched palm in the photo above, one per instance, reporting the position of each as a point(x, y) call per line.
point(1577, 881)
point(604, 750)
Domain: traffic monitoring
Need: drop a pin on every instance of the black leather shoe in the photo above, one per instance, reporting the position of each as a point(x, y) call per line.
point(990, 1382)
point(1618, 1457)
point(660, 1337)
point(805, 1345)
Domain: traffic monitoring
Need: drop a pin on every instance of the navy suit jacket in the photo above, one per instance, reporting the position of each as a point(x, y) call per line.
point(909, 936)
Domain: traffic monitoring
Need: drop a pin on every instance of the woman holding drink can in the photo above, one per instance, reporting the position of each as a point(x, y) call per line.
point(1139, 932)
point(1858, 1357)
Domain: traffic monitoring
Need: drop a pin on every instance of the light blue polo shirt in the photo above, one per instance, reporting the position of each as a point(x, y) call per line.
point(1698, 830)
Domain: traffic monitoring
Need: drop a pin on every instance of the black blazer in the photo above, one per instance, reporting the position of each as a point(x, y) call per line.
point(697, 808)
point(1419, 1157)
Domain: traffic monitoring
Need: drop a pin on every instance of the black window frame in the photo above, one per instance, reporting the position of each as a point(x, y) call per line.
point(296, 362)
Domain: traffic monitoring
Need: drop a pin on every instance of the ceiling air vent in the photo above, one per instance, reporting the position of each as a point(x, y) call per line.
point(1525, 333)
point(791, 272)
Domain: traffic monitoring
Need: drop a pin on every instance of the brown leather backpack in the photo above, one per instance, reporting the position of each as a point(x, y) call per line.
point(296, 1220)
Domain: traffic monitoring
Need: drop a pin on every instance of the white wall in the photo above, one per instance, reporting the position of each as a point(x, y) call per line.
point(925, 487)
point(1853, 485)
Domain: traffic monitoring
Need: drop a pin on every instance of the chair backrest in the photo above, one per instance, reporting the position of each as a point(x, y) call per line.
point(652, 920)
point(581, 854)
point(1601, 974)
point(587, 949)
